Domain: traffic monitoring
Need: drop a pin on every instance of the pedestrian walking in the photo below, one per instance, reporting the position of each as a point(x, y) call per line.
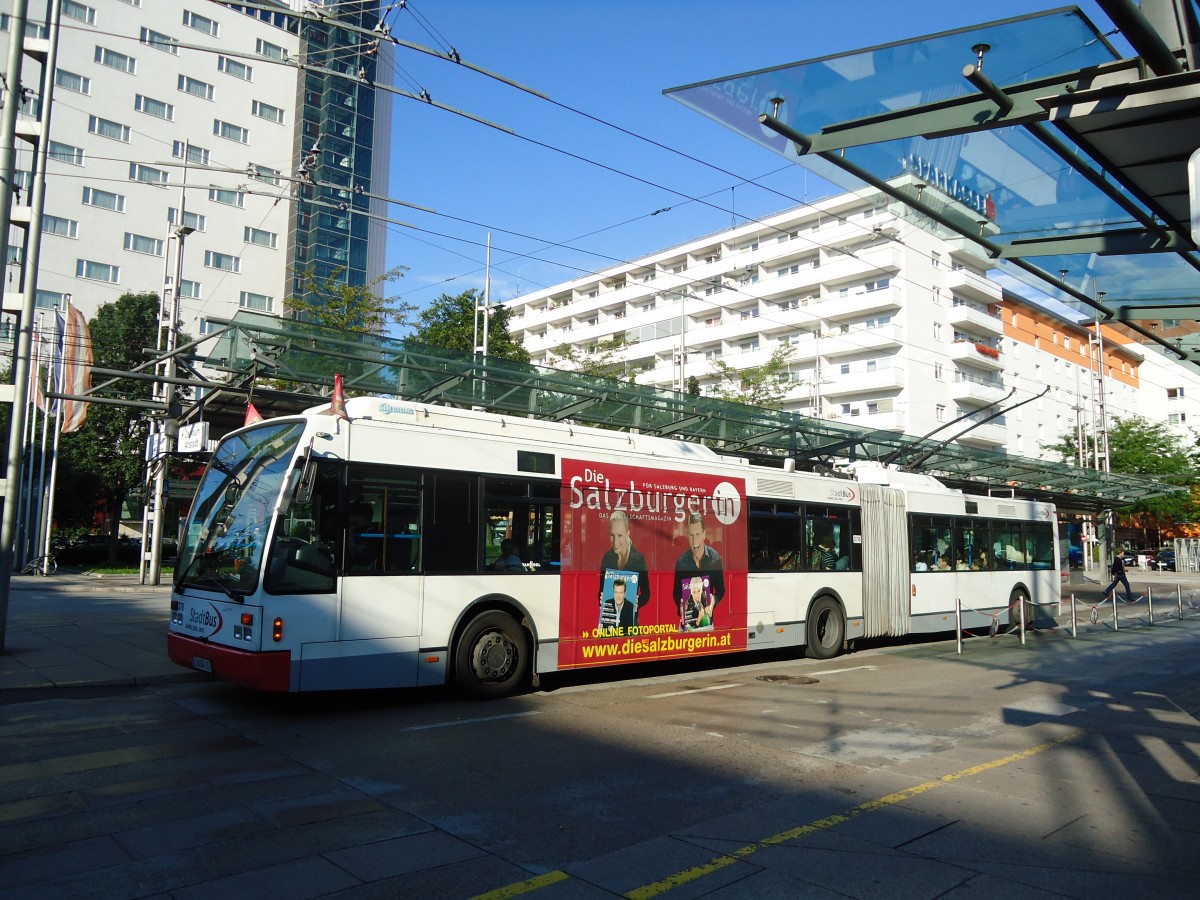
point(1117, 570)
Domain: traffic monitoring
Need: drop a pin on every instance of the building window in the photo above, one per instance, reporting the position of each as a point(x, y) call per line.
point(49, 299)
point(269, 50)
point(269, 238)
point(880, 284)
point(259, 302)
point(267, 111)
point(940, 412)
point(115, 60)
point(189, 289)
point(224, 261)
point(262, 173)
point(1175, 393)
point(159, 41)
point(96, 271)
point(936, 259)
point(190, 219)
point(60, 226)
point(73, 10)
point(106, 128)
point(200, 23)
point(140, 243)
point(235, 67)
point(66, 153)
point(231, 132)
point(748, 346)
point(69, 81)
point(195, 87)
point(152, 107)
point(229, 198)
point(193, 154)
point(1176, 418)
point(147, 174)
point(103, 199)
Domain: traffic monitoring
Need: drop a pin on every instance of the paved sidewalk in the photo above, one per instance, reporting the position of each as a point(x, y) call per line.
point(74, 629)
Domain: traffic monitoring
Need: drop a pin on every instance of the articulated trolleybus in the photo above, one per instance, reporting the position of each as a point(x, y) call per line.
point(415, 545)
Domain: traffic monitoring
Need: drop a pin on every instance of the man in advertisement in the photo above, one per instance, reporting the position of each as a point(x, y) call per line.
point(698, 558)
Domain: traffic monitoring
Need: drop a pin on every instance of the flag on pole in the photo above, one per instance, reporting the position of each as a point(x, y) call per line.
point(252, 415)
point(39, 395)
point(76, 376)
point(337, 403)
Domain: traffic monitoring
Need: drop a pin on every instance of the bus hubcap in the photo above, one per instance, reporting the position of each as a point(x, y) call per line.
point(495, 656)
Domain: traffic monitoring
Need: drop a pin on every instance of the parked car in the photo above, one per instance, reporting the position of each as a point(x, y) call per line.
point(1165, 561)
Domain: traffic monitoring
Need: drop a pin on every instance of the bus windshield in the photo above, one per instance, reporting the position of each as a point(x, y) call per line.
point(227, 530)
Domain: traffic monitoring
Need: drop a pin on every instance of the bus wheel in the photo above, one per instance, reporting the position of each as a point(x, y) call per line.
point(492, 656)
point(826, 629)
point(1016, 600)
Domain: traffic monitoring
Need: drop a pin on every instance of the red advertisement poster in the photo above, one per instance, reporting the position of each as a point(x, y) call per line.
point(653, 564)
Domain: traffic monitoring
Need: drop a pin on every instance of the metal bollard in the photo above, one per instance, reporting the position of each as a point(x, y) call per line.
point(1022, 622)
point(1179, 600)
point(1115, 617)
point(1150, 602)
point(1074, 622)
point(958, 624)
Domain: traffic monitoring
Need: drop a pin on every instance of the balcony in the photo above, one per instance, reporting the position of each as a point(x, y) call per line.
point(973, 319)
point(887, 421)
point(979, 355)
point(977, 391)
point(970, 286)
point(838, 385)
point(991, 436)
point(857, 340)
point(862, 303)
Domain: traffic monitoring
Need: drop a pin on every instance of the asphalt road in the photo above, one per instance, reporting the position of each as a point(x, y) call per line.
point(1064, 767)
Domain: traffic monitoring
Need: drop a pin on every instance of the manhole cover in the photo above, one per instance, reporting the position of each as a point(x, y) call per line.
point(788, 679)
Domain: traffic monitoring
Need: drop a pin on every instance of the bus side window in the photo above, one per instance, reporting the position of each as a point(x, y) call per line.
point(521, 527)
point(383, 521)
point(305, 554)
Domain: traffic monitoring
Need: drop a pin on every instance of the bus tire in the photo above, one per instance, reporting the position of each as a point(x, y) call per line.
point(825, 629)
point(492, 656)
point(1016, 599)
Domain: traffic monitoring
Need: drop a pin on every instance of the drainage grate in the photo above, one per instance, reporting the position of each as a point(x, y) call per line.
point(788, 679)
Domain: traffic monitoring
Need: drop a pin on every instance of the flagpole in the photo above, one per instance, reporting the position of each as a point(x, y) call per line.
point(43, 528)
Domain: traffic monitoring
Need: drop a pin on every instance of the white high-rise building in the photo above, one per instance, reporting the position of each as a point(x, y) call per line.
point(151, 96)
point(888, 327)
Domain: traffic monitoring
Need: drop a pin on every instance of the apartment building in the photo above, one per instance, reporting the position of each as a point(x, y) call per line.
point(885, 326)
point(191, 116)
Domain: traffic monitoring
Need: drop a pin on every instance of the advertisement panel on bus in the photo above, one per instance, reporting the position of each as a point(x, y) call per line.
point(653, 564)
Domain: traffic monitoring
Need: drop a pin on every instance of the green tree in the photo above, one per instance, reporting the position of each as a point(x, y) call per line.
point(763, 386)
point(449, 322)
point(1140, 447)
point(349, 307)
point(601, 358)
point(110, 447)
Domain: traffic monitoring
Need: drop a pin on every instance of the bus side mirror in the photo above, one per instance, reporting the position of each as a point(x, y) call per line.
point(304, 487)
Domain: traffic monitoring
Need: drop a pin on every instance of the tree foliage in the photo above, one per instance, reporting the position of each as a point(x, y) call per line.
point(601, 359)
point(449, 322)
point(763, 386)
point(1148, 449)
point(349, 307)
point(110, 448)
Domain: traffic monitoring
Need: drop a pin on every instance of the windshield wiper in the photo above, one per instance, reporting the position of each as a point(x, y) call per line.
point(210, 577)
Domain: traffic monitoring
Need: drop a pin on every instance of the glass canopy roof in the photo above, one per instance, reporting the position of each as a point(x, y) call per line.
point(978, 133)
point(253, 346)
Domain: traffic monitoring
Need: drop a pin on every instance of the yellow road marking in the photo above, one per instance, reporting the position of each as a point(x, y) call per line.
point(524, 887)
point(727, 859)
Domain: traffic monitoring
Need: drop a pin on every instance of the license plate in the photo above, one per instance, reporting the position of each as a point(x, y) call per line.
point(202, 664)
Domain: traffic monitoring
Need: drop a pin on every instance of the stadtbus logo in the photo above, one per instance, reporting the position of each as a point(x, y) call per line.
point(844, 494)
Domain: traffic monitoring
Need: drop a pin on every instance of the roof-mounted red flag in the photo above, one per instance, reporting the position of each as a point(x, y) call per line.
point(337, 403)
point(252, 415)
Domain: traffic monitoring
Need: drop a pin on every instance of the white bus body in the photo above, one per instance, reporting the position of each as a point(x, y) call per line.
point(414, 545)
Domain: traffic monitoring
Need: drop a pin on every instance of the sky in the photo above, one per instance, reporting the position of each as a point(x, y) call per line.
point(565, 193)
